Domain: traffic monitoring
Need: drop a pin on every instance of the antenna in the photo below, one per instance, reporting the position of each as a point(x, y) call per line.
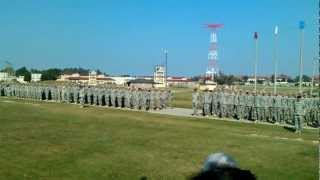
point(212, 68)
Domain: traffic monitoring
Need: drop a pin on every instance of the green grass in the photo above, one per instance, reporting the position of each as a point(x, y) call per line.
point(182, 97)
point(61, 141)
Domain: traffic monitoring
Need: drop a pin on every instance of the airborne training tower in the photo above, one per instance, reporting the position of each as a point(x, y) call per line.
point(212, 68)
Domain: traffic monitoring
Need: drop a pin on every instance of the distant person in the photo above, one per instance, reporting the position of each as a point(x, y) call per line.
point(220, 166)
point(299, 114)
point(195, 101)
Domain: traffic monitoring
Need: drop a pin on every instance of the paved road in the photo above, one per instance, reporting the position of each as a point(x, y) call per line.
point(175, 112)
point(185, 112)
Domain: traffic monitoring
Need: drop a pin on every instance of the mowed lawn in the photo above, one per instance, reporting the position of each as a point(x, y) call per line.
point(62, 141)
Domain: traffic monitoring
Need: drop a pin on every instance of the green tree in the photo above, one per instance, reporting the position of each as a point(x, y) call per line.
point(305, 78)
point(8, 70)
point(226, 79)
point(50, 74)
point(24, 72)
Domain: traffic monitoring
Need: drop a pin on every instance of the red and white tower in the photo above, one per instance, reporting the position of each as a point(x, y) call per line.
point(212, 68)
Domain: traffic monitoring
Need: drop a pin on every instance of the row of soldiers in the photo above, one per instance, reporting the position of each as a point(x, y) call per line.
point(256, 106)
point(133, 98)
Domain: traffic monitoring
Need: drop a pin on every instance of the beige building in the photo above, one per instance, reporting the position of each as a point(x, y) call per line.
point(92, 79)
point(36, 77)
point(159, 76)
point(181, 82)
point(141, 83)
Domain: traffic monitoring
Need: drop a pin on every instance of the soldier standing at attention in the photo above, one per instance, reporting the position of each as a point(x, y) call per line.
point(136, 98)
point(277, 108)
point(299, 113)
point(258, 110)
point(113, 97)
point(223, 105)
point(148, 98)
point(81, 95)
point(214, 103)
point(144, 99)
point(207, 101)
point(168, 97)
point(107, 99)
point(152, 99)
point(195, 101)
point(127, 97)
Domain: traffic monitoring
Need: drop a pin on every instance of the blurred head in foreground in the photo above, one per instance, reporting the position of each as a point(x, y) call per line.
point(220, 166)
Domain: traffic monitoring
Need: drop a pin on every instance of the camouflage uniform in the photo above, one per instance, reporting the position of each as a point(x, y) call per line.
point(207, 99)
point(299, 115)
point(195, 101)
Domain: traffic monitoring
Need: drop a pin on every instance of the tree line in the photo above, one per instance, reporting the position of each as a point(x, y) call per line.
point(226, 79)
point(47, 74)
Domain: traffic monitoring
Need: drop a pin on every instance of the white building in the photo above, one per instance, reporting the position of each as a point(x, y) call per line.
point(20, 79)
point(122, 81)
point(92, 78)
point(36, 77)
point(4, 76)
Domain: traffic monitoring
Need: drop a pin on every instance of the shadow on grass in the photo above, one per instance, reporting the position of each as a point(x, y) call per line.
point(291, 129)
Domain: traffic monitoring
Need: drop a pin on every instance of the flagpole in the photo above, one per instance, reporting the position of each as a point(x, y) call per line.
point(256, 61)
point(313, 74)
point(275, 61)
point(301, 27)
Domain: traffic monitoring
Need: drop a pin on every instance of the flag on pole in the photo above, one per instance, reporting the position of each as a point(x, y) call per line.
point(301, 25)
point(276, 30)
point(255, 35)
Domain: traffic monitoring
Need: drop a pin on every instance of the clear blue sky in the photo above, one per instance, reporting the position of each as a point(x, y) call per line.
point(127, 37)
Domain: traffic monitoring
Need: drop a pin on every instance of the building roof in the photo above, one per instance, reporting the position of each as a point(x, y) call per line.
point(87, 78)
point(141, 81)
point(179, 80)
point(105, 78)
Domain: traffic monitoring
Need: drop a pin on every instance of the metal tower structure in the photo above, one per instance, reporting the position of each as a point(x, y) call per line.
point(319, 53)
point(212, 68)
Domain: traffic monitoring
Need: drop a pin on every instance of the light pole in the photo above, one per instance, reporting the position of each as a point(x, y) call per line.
point(256, 60)
point(166, 68)
point(301, 27)
point(275, 60)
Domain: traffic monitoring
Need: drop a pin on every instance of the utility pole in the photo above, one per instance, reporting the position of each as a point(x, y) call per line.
point(275, 60)
point(256, 60)
point(301, 27)
point(166, 62)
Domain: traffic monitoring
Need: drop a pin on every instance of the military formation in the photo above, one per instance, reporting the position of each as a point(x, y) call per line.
point(120, 97)
point(258, 107)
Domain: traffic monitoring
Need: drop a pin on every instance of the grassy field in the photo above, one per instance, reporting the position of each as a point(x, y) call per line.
point(183, 96)
point(60, 141)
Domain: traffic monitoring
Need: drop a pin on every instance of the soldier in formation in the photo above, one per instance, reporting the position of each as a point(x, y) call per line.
point(257, 107)
point(132, 98)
